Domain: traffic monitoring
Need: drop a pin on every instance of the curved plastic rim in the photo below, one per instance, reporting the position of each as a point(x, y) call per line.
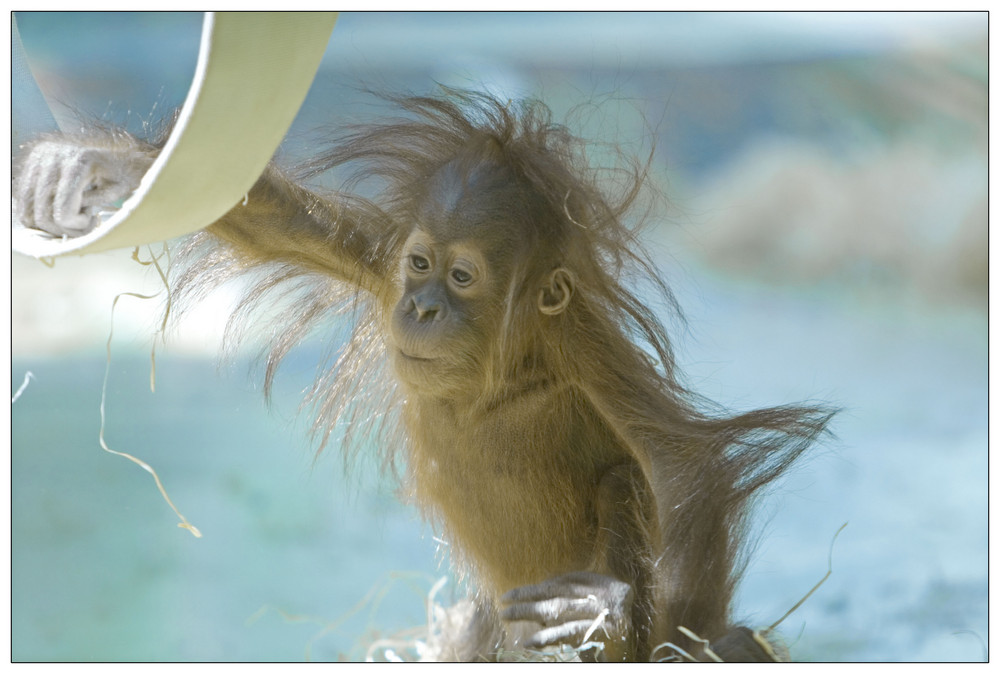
point(254, 71)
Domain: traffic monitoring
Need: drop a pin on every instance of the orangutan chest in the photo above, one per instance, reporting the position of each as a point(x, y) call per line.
point(522, 509)
point(516, 526)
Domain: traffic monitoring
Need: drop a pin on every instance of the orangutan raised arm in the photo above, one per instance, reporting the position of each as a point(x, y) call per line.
point(65, 182)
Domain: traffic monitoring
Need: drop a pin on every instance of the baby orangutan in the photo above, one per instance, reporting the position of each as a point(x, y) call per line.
point(589, 495)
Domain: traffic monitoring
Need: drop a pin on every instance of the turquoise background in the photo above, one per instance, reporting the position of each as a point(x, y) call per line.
point(294, 545)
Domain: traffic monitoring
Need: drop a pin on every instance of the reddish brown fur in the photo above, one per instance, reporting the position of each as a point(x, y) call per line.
point(556, 443)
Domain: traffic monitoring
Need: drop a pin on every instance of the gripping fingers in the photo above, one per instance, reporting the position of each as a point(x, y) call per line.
point(45, 182)
point(68, 213)
point(49, 191)
point(571, 632)
point(554, 610)
point(571, 609)
point(574, 584)
point(62, 186)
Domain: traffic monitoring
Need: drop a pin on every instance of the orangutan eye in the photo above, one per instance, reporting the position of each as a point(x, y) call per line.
point(461, 277)
point(419, 263)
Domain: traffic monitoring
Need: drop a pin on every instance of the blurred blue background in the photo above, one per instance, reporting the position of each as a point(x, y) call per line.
point(826, 236)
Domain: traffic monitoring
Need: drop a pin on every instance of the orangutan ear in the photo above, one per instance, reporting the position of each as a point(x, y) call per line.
point(555, 296)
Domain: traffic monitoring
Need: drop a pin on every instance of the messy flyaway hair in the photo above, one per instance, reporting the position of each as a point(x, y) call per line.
point(608, 345)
